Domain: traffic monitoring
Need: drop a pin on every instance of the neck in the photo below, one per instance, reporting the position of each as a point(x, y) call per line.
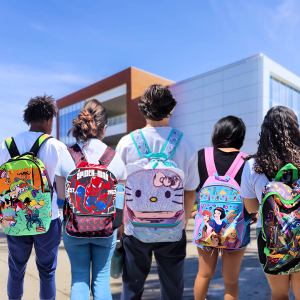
point(36, 128)
point(228, 149)
point(162, 123)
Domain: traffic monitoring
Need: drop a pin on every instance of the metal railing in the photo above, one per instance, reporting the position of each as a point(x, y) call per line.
point(117, 120)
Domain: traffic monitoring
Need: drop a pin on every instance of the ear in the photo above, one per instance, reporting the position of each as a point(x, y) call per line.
point(104, 131)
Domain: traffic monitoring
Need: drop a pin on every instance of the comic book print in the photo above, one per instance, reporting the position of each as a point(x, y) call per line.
point(154, 211)
point(217, 220)
point(25, 197)
point(91, 190)
point(281, 227)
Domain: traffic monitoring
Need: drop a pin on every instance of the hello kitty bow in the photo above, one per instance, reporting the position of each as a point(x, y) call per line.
point(160, 179)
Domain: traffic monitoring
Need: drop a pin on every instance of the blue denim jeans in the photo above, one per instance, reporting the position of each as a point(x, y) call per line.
point(83, 251)
point(46, 247)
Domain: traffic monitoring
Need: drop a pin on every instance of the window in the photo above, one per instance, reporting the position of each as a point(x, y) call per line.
point(282, 94)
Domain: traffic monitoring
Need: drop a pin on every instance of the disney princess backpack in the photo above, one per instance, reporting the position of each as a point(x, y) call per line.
point(279, 240)
point(220, 219)
point(154, 202)
point(90, 207)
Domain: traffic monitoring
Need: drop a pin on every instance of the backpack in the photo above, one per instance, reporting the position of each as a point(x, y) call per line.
point(220, 221)
point(279, 241)
point(25, 191)
point(154, 202)
point(90, 208)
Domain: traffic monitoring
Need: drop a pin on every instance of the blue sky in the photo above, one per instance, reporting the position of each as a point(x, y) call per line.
point(58, 47)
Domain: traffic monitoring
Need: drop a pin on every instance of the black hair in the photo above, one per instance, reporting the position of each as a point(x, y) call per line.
point(229, 132)
point(222, 211)
point(157, 102)
point(40, 108)
point(279, 142)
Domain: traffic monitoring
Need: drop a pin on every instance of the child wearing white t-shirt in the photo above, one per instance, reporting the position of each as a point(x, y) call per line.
point(157, 104)
point(278, 146)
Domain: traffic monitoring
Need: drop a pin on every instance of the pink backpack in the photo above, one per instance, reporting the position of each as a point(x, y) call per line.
point(220, 219)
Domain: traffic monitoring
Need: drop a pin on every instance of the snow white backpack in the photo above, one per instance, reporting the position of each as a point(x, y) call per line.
point(279, 240)
point(154, 202)
point(25, 191)
point(220, 219)
point(90, 209)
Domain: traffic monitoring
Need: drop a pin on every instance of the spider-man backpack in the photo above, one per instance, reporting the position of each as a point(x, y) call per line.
point(90, 209)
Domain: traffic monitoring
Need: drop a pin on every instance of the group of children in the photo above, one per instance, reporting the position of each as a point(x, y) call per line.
point(182, 170)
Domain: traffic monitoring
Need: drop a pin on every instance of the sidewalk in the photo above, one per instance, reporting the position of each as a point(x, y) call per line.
point(253, 283)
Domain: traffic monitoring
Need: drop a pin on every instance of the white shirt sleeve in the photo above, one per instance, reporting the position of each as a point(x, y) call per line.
point(117, 167)
point(247, 188)
point(122, 150)
point(65, 164)
point(192, 176)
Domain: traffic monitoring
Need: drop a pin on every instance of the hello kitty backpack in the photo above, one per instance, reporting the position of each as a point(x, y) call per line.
point(154, 202)
point(220, 221)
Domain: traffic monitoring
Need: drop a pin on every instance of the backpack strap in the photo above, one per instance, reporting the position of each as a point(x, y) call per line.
point(12, 147)
point(77, 154)
point(236, 165)
point(140, 143)
point(210, 161)
point(107, 156)
point(39, 142)
point(172, 142)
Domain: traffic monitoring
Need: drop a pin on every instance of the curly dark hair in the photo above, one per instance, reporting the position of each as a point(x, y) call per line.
point(279, 142)
point(90, 121)
point(40, 108)
point(157, 102)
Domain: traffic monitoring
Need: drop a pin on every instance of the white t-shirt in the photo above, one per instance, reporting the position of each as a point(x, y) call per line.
point(93, 152)
point(48, 154)
point(252, 184)
point(186, 155)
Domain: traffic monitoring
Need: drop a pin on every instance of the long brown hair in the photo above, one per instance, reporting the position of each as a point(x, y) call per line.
point(279, 142)
point(90, 121)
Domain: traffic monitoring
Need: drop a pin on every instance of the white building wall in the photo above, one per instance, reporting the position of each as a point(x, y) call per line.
point(236, 89)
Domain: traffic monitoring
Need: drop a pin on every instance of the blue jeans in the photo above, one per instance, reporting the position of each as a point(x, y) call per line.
point(83, 251)
point(46, 247)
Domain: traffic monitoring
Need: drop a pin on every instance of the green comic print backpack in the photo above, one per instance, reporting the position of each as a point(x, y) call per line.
point(25, 191)
point(279, 240)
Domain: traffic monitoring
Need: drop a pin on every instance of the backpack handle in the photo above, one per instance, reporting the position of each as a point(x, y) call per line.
point(287, 167)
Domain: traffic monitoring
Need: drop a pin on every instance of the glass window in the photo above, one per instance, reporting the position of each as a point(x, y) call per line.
point(275, 93)
point(295, 99)
point(282, 96)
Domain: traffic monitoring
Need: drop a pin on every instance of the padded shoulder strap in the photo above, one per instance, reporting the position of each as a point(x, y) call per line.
point(236, 165)
point(77, 154)
point(12, 147)
point(39, 142)
point(107, 156)
point(140, 143)
point(172, 142)
point(210, 161)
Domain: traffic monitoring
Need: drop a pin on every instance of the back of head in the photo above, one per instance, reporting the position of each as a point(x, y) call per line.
point(279, 142)
point(39, 109)
point(90, 122)
point(157, 103)
point(229, 132)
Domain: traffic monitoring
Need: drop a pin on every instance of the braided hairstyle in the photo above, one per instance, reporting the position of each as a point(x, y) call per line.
point(279, 142)
point(90, 122)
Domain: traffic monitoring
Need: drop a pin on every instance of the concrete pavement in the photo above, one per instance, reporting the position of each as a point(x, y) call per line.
point(253, 283)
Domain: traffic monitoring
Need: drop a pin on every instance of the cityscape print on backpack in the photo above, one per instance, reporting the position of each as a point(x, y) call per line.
point(281, 227)
point(25, 197)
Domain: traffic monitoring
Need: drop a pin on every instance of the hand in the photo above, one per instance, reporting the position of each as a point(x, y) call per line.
point(193, 214)
point(120, 232)
point(254, 219)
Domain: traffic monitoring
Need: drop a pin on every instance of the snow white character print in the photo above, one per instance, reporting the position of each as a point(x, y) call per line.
point(218, 224)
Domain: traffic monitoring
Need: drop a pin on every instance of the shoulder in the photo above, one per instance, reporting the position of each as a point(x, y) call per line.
point(125, 141)
point(201, 153)
point(58, 145)
point(189, 145)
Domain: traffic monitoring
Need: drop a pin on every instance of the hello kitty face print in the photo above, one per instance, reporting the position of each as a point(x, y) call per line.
point(154, 190)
